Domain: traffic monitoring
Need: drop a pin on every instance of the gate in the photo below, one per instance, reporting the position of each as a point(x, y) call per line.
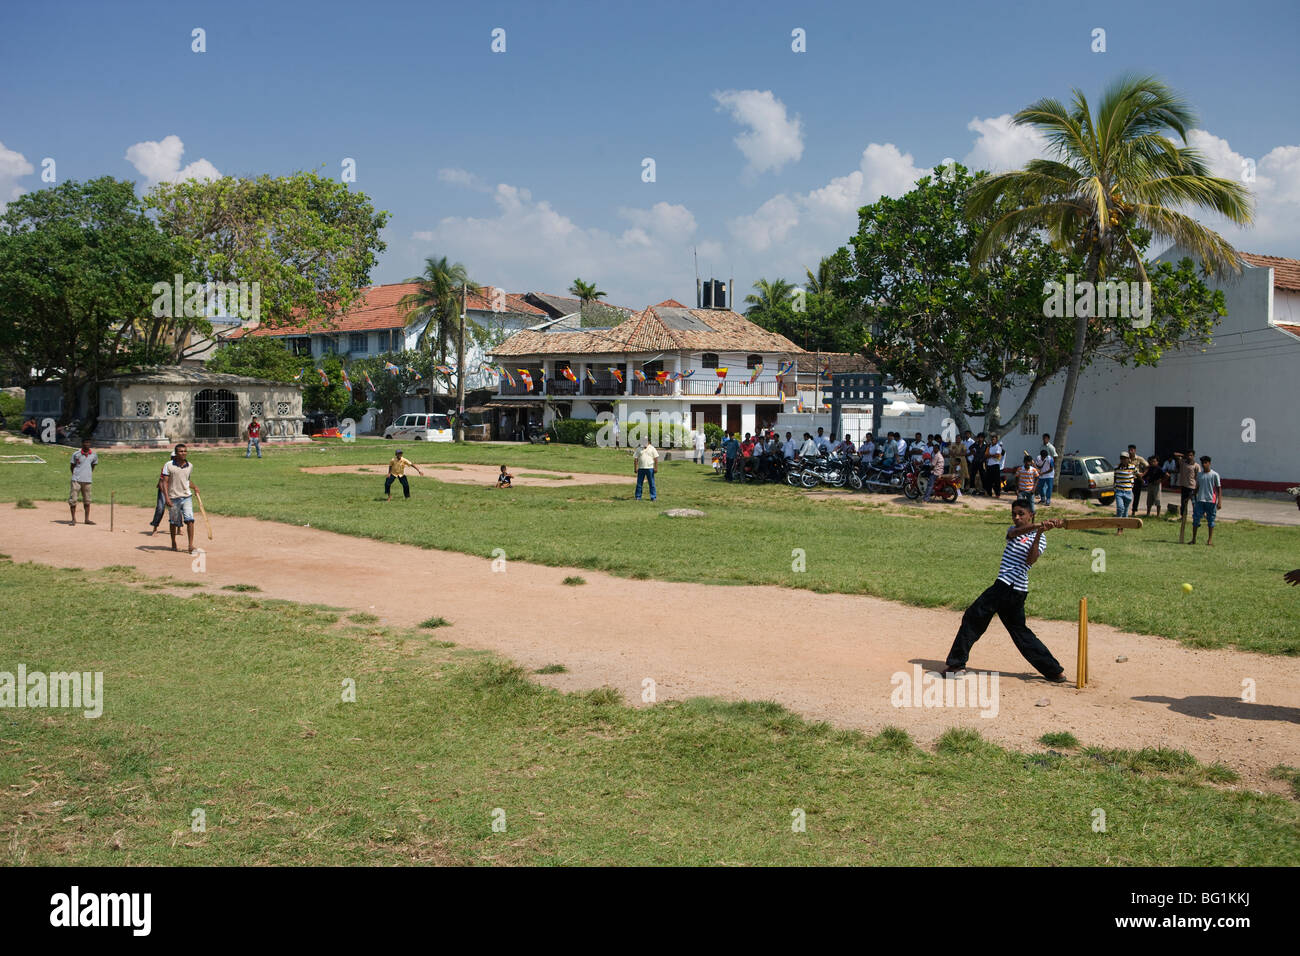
point(216, 415)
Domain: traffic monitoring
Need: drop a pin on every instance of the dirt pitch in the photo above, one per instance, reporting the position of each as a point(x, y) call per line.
point(480, 475)
point(834, 662)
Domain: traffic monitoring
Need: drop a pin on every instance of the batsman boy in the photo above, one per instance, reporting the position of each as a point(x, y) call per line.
point(1006, 597)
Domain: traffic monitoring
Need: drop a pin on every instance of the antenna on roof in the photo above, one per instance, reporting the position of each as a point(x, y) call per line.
point(699, 302)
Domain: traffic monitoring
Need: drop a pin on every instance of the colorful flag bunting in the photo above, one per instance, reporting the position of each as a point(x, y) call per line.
point(347, 382)
point(722, 372)
point(617, 373)
point(568, 373)
point(442, 369)
point(369, 384)
point(591, 378)
point(525, 378)
point(298, 377)
point(390, 367)
point(688, 373)
point(325, 379)
point(785, 368)
point(661, 377)
point(640, 375)
point(758, 370)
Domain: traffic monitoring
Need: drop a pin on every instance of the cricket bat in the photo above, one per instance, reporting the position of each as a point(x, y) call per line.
point(204, 512)
point(1074, 524)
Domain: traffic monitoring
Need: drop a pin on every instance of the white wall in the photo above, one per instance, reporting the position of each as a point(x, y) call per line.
point(1251, 371)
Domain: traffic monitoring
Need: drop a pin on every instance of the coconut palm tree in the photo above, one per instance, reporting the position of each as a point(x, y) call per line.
point(772, 295)
point(586, 291)
point(1116, 175)
point(437, 303)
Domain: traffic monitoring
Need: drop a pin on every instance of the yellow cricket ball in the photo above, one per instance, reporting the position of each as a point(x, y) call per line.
point(1187, 587)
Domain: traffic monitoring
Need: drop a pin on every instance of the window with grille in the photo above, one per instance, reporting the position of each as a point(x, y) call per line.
point(710, 360)
point(1029, 425)
point(300, 345)
point(753, 361)
point(329, 345)
point(359, 342)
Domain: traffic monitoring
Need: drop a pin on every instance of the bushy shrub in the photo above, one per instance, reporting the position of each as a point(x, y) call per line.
point(713, 435)
point(574, 431)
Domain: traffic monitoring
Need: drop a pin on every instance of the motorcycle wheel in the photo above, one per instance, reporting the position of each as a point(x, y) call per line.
point(855, 481)
point(949, 493)
point(792, 478)
point(911, 489)
point(809, 479)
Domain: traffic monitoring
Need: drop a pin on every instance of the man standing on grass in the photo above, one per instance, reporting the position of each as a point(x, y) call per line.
point(254, 433)
point(176, 486)
point(397, 472)
point(1006, 598)
point(1125, 474)
point(647, 462)
point(160, 509)
point(83, 467)
point(993, 466)
point(1209, 495)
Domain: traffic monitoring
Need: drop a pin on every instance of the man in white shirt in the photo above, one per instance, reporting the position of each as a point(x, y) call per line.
point(822, 442)
point(993, 467)
point(868, 449)
point(647, 458)
point(788, 447)
point(809, 447)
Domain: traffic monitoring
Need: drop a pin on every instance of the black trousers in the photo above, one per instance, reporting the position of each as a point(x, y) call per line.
point(406, 485)
point(1009, 605)
point(993, 480)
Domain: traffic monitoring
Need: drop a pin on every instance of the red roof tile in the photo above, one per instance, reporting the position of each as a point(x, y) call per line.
point(1286, 272)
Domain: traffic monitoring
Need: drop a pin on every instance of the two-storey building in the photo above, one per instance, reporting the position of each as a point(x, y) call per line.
point(704, 365)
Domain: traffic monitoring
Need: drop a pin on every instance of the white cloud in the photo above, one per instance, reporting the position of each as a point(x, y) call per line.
point(529, 245)
point(773, 138)
point(13, 167)
point(160, 162)
point(461, 177)
point(1275, 192)
point(1003, 146)
point(767, 225)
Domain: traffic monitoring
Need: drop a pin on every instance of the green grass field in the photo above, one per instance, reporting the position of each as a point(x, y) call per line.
point(941, 556)
point(233, 705)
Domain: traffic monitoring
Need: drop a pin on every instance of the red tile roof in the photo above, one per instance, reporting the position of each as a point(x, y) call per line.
point(1293, 329)
point(645, 331)
point(1286, 272)
point(377, 308)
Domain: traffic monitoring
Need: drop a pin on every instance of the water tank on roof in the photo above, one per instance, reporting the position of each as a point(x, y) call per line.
point(715, 294)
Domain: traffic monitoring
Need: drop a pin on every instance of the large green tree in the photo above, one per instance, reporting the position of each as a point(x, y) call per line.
point(258, 357)
point(309, 241)
point(77, 266)
point(937, 323)
point(1120, 176)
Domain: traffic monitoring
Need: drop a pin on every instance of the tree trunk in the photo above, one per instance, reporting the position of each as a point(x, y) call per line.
point(1076, 364)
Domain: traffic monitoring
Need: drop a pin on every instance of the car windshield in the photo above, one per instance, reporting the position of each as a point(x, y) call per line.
point(1097, 466)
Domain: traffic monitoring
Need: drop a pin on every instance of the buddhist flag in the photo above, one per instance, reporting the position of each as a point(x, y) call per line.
point(618, 375)
point(414, 374)
point(688, 373)
point(509, 378)
point(722, 372)
point(298, 377)
point(442, 369)
point(640, 375)
point(325, 379)
point(661, 377)
point(369, 384)
point(758, 370)
point(390, 367)
point(826, 368)
point(591, 378)
point(525, 378)
point(568, 373)
point(347, 383)
point(785, 368)
point(798, 406)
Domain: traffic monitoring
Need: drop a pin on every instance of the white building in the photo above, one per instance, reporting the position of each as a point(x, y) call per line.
point(1235, 400)
point(665, 360)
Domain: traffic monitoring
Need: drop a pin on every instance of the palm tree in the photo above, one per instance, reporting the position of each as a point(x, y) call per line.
point(824, 280)
point(586, 291)
point(1115, 173)
point(771, 296)
point(437, 303)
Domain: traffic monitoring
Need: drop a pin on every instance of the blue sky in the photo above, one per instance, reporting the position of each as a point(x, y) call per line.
point(526, 165)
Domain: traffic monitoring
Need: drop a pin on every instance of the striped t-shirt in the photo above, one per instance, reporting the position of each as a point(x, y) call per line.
point(1014, 571)
point(1124, 479)
point(1026, 480)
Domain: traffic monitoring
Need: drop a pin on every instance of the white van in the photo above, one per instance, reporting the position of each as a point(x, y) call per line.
point(421, 428)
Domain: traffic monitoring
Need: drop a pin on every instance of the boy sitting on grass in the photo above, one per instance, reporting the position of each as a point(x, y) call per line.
point(503, 479)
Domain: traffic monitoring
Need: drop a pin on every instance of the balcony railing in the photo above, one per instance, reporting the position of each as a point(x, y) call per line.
point(698, 386)
point(652, 388)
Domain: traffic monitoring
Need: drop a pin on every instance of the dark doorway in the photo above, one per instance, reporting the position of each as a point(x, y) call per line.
point(1174, 430)
point(765, 416)
point(733, 419)
point(216, 415)
point(712, 414)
